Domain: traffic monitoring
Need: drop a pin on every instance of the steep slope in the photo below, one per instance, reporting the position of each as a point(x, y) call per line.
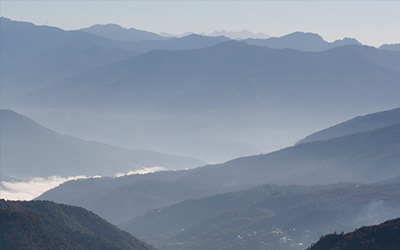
point(31, 150)
point(47, 225)
point(383, 236)
point(363, 157)
point(116, 32)
point(301, 41)
point(358, 124)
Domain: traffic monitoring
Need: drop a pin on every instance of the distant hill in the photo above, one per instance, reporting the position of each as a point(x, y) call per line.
point(31, 150)
point(356, 125)
point(47, 225)
point(116, 32)
point(301, 41)
point(385, 236)
point(394, 47)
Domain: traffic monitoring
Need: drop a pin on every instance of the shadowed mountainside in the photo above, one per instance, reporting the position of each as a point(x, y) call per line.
point(47, 225)
point(385, 236)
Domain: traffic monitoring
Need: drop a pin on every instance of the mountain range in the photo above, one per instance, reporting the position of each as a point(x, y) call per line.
point(225, 95)
point(47, 225)
point(225, 80)
point(31, 150)
point(116, 32)
point(209, 97)
point(366, 157)
point(301, 41)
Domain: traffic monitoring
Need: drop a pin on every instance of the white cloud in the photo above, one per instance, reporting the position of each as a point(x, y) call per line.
point(27, 190)
point(142, 171)
point(32, 188)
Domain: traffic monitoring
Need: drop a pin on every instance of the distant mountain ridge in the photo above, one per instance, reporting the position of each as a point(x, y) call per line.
point(355, 125)
point(47, 225)
point(116, 32)
point(393, 47)
point(207, 73)
point(301, 41)
point(31, 150)
point(224, 88)
point(33, 57)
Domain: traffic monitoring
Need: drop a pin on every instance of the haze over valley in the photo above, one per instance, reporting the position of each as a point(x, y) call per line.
point(121, 137)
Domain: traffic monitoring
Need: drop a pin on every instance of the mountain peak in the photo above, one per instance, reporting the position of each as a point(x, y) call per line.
point(117, 32)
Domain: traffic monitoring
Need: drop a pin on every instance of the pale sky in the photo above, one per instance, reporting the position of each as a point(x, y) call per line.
point(371, 22)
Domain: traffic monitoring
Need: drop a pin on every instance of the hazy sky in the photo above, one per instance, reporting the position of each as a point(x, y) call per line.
point(371, 22)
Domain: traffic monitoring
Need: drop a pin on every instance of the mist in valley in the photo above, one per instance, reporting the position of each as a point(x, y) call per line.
point(232, 140)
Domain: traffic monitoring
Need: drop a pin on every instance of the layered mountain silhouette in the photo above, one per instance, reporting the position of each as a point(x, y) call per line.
point(116, 32)
point(232, 75)
point(361, 157)
point(382, 236)
point(301, 41)
point(36, 56)
point(47, 225)
point(211, 97)
point(31, 150)
point(232, 93)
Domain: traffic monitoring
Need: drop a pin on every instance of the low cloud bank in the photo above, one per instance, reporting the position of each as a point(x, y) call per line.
point(29, 189)
point(142, 171)
point(32, 188)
